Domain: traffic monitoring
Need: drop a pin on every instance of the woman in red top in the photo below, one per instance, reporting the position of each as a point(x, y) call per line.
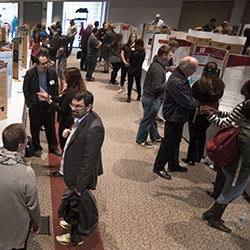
point(34, 45)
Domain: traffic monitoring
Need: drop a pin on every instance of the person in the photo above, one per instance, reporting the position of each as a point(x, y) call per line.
point(247, 43)
point(209, 26)
point(100, 37)
point(237, 174)
point(125, 55)
point(34, 46)
point(71, 33)
point(135, 67)
point(20, 210)
point(153, 89)
point(45, 42)
point(221, 27)
point(108, 38)
point(115, 57)
point(41, 78)
point(84, 43)
point(14, 24)
point(92, 54)
point(54, 44)
point(62, 55)
point(81, 159)
point(177, 103)
point(208, 90)
point(96, 24)
point(171, 64)
point(158, 21)
point(222, 119)
point(59, 27)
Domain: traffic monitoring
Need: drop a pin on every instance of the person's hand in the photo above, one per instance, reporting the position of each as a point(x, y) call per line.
point(44, 96)
point(172, 68)
point(66, 133)
point(126, 64)
point(35, 229)
point(79, 194)
point(208, 110)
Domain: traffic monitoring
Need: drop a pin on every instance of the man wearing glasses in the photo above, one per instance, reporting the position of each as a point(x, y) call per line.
point(81, 162)
point(39, 79)
point(177, 103)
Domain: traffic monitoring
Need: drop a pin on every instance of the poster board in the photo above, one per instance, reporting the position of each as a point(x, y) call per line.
point(199, 40)
point(17, 56)
point(3, 90)
point(237, 71)
point(148, 37)
point(185, 48)
point(158, 41)
point(23, 31)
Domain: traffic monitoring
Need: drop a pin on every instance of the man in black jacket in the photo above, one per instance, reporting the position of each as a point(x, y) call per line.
point(81, 159)
point(54, 44)
point(39, 79)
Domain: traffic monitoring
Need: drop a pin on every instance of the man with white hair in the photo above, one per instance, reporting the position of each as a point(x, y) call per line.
point(158, 22)
point(178, 101)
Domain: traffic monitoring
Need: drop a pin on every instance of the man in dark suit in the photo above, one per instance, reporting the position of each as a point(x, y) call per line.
point(39, 79)
point(82, 156)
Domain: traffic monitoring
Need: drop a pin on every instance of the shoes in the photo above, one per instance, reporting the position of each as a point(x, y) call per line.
point(56, 152)
point(191, 163)
point(105, 71)
point(138, 98)
point(210, 194)
point(113, 83)
point(163, 174)
point(65, 225)
point(157, 140)
point(219, 225)
point(65, 240)
point(38, 153)
point(56, 174)
point(145, 144)
point(178, 169)
point(92, 79)
point(120, 90)
point(129, 99)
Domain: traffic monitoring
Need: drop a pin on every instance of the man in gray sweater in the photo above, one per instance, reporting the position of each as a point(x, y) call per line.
point(152, 95)
point(19, 200)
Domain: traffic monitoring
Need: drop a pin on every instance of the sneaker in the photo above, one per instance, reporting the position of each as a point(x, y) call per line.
point(55, 152)
point(120, 90)
point(56, 174)
point(157, 140)
point(38, 153)
point(65, 225)
point(65, 240)
point(145, 144)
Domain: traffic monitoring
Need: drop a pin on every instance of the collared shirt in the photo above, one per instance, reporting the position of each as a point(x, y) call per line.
point(42, 76)
point(76, 124)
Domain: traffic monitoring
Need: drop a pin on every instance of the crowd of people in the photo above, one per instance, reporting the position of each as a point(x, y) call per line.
point(49, 87)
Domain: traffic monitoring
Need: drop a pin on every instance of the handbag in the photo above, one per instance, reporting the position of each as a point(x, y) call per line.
point(79, 54)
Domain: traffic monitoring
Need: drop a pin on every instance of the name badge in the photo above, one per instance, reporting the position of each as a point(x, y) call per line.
point(52, 82)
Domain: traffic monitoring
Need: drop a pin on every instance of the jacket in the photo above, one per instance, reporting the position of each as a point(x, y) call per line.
point(178, 100)
point(31, 86)
point(18, 199)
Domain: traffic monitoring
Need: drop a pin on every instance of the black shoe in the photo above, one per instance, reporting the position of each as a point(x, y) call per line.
point(188, 161)
point(105, 71)
point(92, 79)
point(163, 174)
point(37, 153)
point(157, 140)
point(138, 98)
point(129, 99)
point(56, 174)
point(178, 169)
point(219, 225)
point(210, 194)
point(55, 152)
point(145, 144)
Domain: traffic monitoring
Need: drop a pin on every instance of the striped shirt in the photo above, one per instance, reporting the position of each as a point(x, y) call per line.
point(230, 117)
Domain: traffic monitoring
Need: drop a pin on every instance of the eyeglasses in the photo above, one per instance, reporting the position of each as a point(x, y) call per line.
point(77, 106)
point(43, 64)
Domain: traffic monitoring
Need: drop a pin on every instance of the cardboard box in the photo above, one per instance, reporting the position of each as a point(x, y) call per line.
point(198, 40)
point(233, 48)
point(3, 90)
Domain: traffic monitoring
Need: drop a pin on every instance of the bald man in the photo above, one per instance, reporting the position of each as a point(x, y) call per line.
point(178, 101)
point(158, 22)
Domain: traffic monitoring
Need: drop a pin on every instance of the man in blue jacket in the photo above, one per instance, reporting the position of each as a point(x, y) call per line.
point(178, 101)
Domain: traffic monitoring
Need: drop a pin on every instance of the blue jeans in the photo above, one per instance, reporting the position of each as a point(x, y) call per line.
point(148, 123)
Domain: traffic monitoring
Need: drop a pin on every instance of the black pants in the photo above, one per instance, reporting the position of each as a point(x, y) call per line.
point(197, 140)
point(137, 81)
point(83, 59)
point(91, 63)
point(123, 74)
point(70, 41)
point(116, 67)
point(170, 145)
point(41, 114)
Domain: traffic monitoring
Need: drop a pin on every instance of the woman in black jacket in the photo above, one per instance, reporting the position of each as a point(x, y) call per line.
point(135, 66)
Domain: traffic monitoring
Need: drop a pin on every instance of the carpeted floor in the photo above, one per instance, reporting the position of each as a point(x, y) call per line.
point(138, 209)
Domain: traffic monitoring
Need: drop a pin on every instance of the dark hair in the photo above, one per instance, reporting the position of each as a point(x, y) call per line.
point(36, 40)
point(43, 38)
point(129, 42)
point(84, 95)
point(173, 43)
point(59, 24)
point(53, 27)
point(116, 41)
point(164, 49)
point(96, 23)
point(41, 52)
point(209, 81)
point(63, 44)
point(95, 30)
point(213, 20)
point(139, 45)
point(74, 80)
point(12, 135)
point(39, 25)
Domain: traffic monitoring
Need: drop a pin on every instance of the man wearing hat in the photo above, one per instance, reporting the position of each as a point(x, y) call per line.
point(158, 22)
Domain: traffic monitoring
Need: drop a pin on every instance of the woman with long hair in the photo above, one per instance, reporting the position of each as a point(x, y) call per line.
point(125, 55)
point(135, 66)
point(62, 55)
point(34, 45)
point(115, 57)
point(208, 90)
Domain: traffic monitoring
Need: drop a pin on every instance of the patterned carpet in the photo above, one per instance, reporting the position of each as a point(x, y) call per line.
point(138, 209)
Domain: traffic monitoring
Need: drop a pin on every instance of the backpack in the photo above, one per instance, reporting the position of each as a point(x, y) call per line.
point(223, 147)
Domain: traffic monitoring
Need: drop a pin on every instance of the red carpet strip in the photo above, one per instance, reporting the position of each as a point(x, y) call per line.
point(94, 241)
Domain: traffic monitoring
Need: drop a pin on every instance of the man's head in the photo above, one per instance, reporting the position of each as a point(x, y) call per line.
point(157, 17)
point(42, 60)
point(224, 24)
point(165, 53)
point(174, 45)
point(90, 26)
point(81, 104)
point(188, 65)
point(212, 21)
point(45, 40)
point(53, 28)
point(72, 22)
point(14, 137)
